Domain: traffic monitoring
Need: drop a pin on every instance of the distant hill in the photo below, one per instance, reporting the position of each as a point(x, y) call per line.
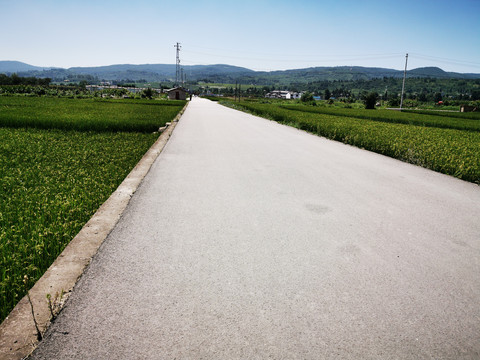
point(222, 73)
point(339, 73)
point(355, 73)
point(160, 72)
point(16, 66)
point(148, 72)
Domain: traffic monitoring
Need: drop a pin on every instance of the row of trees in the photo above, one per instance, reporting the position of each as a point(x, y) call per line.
point(342, 93)
point(428, 90)
point(421, 89)
point(14, 79)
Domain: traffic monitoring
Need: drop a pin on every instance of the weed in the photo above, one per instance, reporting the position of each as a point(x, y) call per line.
point(39, 333)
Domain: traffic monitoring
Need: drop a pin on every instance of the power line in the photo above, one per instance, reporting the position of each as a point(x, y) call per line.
point(325, 57)
point(447, 60)
point(295, 56)
point(315, 61)
point(301, 59)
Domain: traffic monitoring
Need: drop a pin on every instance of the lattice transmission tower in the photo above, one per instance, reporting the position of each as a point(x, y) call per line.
point(177, 68)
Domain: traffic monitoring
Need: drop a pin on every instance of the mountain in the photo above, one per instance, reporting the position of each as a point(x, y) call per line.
point(16, 66)
point(355, 73)
point(222, 73)
point(148, 72)
point(159, 72)
point(438, 73)
point(328, 74)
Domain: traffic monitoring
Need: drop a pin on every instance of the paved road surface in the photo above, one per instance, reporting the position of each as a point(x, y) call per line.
point(252, 240)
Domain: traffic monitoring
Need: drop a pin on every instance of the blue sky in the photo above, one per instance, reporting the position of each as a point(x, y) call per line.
point(261, 34)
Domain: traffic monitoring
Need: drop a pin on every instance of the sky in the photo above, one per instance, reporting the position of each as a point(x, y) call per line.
point(261, 35)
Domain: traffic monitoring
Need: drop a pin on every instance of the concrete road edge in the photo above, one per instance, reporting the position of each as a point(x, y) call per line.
point(18, 336)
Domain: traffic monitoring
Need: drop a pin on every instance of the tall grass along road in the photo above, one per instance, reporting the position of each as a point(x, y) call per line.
point(250, 239)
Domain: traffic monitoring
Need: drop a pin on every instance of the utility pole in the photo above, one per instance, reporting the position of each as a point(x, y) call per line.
point(239, 91)
point(403, 85)
point(177, 66)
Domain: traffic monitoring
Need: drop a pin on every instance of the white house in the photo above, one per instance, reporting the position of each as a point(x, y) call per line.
point(283, 94)
point(279, 94)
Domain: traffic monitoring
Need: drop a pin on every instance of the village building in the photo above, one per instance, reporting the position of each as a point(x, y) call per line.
point(279, 94)
point(283, 94)
point(177, 93)
point(468, 108)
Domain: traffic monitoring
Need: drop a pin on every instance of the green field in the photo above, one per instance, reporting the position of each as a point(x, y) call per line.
point(53, 180)
point(422, 118)
point(449, 114)
point(447, 145)
point(86, 114)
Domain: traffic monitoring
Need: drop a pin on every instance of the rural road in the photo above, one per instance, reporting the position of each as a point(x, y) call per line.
point(253, 240)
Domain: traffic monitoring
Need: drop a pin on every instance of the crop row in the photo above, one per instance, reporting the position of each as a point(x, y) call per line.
point(86, 114)
point(51, 184)
point(449, 114)
point(449, 151)
point(429, 119)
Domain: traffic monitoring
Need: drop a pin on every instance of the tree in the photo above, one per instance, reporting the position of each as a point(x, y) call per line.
point(437, 97)
point(148, 93)
point(475, 94)
point(394, 101)
point(44, 81)
point(16, 80)
point(327, 94)
point(306, 97)
point(370, 100)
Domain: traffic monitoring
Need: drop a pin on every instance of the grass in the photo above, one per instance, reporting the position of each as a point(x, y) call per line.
point(52, 181)
point(450, 151)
